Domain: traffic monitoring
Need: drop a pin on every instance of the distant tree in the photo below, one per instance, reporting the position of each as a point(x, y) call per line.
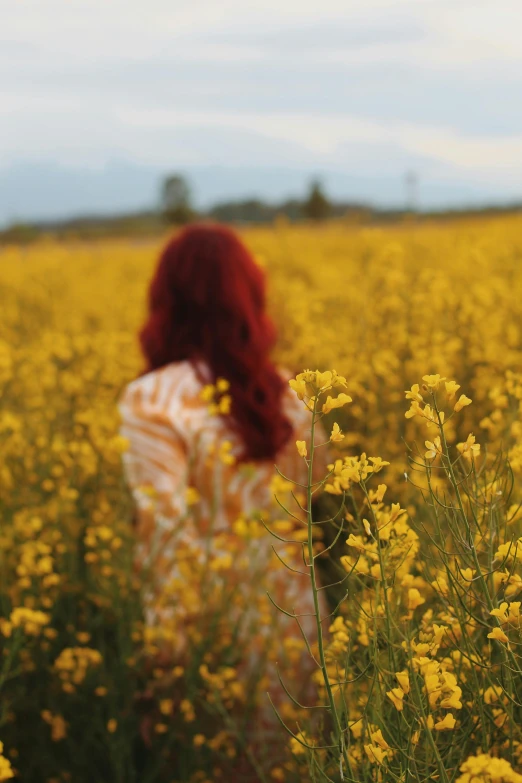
point(317, 206)
point(176, 200)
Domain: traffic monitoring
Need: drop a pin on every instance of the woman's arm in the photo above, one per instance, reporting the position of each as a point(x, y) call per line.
point(156, 459)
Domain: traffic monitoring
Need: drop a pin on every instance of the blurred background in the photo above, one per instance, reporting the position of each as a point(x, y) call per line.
point(406, 105)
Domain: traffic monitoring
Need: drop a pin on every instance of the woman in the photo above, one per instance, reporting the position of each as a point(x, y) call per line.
point(207, 321)
point(207, 422)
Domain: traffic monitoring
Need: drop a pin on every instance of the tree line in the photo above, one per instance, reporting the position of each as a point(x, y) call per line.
point(177, 206)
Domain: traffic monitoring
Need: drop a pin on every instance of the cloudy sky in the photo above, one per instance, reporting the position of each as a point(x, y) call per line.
point(97, 97)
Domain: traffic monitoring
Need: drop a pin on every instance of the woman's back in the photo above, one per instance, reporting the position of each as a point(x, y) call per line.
point(182, 452)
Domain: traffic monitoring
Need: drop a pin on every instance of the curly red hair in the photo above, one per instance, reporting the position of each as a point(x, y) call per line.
point(207, 302)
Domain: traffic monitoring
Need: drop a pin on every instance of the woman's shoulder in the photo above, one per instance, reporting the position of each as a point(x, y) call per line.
point(166, 387)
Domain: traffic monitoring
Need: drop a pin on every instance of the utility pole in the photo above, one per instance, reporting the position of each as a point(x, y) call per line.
point(411, 187)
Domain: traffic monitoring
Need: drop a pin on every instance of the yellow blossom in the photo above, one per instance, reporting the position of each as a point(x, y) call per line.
point(415, 599)
point(498, 634)
point(222, 385)
point(414, 394)
point(338, 402)
point(446, 724)
point(434, 448)
point(469, 448)
point(376, 754)
point(165, 706)
point(336, 435)
point(403, 679)
point(301, 448)
point(191, 496)
point(207, 393)
point(396, 696)
point(451, 389)
point(433, 381)
point(461, 403)
point(377, 738)
point(298, 744)
point(378, 464)
point(484, 767)
point(6, 770)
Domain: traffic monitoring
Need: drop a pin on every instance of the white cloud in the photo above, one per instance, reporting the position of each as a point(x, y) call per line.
point(324, 136)
point(427, 80)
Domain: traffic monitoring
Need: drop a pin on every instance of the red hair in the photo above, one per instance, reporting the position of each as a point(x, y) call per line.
point(207, 302)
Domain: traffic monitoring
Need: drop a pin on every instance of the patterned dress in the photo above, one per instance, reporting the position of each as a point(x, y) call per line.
point(178, 449)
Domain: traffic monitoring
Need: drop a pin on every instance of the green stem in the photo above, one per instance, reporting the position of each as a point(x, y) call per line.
point(338, 733)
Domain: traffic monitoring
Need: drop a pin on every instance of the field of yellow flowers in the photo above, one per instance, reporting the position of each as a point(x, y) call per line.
point(419, 670)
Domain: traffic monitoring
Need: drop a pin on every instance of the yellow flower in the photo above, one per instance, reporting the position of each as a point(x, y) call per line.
point(296, 744)
point(192, 496)
point(461, 403)
point(30, 620)
point(396, 696)
point(377, 496)
point(452, 701)
point(376, 736)
point(415, 599)
point(433, 688)
point(375, 753)
point(6, 771)
point(338, 402)
point(499, 635)
point(433, 381)
point(165, 706)
point(323, 380)
point(403, 678)
point(356, 728)
point(501, 612)
point(112, 725)
point(484, 767)
point(446, 724)
point(338, 381)
point(224, 405)
point(58, 728)
point(301, 448)
point(469, 449)
point(493, 694)
point(336, 434)
point(299, 386)
point(414, 410)
point(434, 448)
point(187, 710)
point(207, 393)
point(222, 385)
point(451, 389)
point(414, 394)
point(378, 464)
point(225, 453)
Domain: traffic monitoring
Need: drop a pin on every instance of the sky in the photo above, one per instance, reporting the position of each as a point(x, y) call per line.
point(100, 98)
